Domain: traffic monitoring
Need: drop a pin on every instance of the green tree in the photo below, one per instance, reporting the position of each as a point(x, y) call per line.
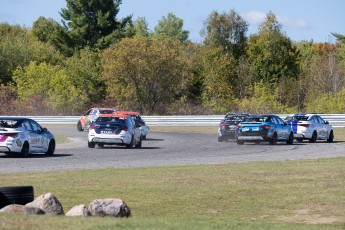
point(18, 47)
point(47, 30)
point(83, 70)
point(92, 23)
point(171, 27)
point(226, 30)
point(272, 54)
point(51, 86)
point(146, 74)
point(141, 28)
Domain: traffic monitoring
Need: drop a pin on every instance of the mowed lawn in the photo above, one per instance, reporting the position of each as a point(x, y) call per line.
point(306, 194)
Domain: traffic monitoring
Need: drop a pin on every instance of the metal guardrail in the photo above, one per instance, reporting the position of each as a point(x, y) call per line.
point(337, 120)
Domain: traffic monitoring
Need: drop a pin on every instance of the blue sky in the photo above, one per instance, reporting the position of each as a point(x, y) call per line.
point(301, 19)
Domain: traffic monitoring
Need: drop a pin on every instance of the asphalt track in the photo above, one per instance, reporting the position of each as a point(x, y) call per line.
point(163, 149)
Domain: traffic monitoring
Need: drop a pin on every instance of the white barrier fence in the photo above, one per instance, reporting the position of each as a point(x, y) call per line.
point(337, 120)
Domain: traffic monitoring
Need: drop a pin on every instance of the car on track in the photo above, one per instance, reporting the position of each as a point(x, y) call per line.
point(144, 128)
point(24, 136)
point(112, 129)
point(310, 127)
point(264, 128)
point(227, 126)
point(90, 116)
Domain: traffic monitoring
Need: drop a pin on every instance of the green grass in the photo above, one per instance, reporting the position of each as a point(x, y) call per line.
point(307, 194)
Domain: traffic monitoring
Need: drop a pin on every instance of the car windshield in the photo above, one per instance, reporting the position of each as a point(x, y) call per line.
point(298, 118)
point(106, 111)
point(111, 119)
point(258, 119)
point(7, 123)
point(234, 119)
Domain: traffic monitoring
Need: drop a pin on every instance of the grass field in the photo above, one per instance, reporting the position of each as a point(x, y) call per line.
point(307, 194)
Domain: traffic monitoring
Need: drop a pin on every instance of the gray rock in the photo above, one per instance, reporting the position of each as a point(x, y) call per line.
point(78, 210)
point(21, 209)
point(109, 207)
point(48, 203)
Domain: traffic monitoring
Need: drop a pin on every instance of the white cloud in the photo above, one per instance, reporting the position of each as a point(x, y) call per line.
point(256, 17)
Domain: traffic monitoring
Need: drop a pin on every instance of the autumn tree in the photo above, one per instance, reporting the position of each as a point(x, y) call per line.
point(171, 27)
point(92, 23)
point(227, 31)
point(146, 74)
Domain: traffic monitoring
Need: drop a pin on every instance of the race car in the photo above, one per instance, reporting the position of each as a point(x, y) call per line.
point(24, 136)
point(264, 128)
point(90, 116)
point(227, 126)
point(112, 129)
point(144, 128)
point(310, 127)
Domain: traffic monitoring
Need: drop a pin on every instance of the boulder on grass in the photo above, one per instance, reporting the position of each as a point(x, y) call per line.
point(109, 207)
point(21, 209)
point(78, 210)
point(48, 203)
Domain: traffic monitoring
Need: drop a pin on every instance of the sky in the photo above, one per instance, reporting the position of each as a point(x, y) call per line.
point(300, 19)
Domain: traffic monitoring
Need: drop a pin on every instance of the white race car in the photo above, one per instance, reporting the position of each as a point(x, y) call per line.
point(310, 127)
point(24, 136)
point(111, 129)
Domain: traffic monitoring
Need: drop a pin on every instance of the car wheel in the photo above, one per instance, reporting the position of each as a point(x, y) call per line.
point(299, 140)
point(79, 126)
point(51, 147)
point(25, 149)
point(91, 144)
point(130, 145)
point(144, 137)
point(239, 142)
point(331, 137)
point(220, 138)
point(290, 140)
point(313, 137)
point(273, 140)
point(140, 143)
point(16, 195)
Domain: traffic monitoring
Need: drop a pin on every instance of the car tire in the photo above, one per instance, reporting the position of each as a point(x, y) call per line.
point(220, 138)
point(91, 144)
point(330, 137)
point(25, 149)
point(240, 142)
point(130, 145)
point(144, 137)
point(313, 137)
point(140, 143)
point(290, 140)
point(16, 195)
point(51, 147)
point(79, 126)
point(273, 140)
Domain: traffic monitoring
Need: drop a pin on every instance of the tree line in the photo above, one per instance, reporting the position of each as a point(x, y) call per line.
point(93, 59)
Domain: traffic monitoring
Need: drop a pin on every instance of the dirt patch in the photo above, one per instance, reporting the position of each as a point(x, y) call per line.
point(311, 216)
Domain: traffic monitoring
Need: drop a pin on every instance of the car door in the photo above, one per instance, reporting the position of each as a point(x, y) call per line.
point(41, 141)
point(30, 135)
point(323, 128)
point(281, 131)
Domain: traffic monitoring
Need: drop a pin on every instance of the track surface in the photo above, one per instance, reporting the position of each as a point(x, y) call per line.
point(162, 149)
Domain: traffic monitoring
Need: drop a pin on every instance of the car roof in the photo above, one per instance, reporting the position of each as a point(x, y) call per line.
point(114, 115)
point(304, 114)
point(105, 108)
point(127, 112)
point(14, 118)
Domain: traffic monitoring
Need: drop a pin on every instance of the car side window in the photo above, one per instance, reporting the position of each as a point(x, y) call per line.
point(280, 121)
point(36, 127)
point(321, 121)
point(26, 125)
point(88, 112)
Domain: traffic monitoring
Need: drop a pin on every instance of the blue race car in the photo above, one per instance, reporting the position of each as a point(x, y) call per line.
point(264, 128)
